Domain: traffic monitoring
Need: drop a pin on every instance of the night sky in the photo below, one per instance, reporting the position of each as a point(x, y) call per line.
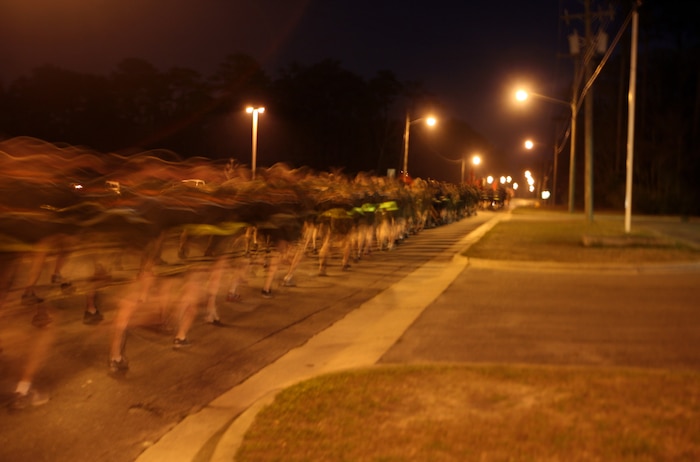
point(470, 55)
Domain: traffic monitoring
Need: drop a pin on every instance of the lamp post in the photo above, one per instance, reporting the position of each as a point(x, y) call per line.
point(475, 160)
point(430, 121)
point(522, 95)
point(255, 111)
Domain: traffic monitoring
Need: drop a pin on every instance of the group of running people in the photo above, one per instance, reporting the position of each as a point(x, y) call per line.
point(62, 202)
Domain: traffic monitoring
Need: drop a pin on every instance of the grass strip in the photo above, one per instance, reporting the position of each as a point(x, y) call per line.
point(447, 413)
point(562, 241)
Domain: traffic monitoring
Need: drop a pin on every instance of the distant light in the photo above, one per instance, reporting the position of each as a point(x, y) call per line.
point(521, 95)
point(531, 188)
point(503, 180)
point(545, 195)
point(529, 144)
point(250, 109)
point(530, 180)
point(489, 179)
point(194, 182)
point(476, 160)
point(431, 121)
point(528, 174)
point(113, 186)
point(509, 179)
point(515, 186)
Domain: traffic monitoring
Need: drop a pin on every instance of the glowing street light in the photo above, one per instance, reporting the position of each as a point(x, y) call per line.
point(521, 95)
point(255, 111)
point(530, 181)
point(476, 160)
point(529, 145)
point(430, 121)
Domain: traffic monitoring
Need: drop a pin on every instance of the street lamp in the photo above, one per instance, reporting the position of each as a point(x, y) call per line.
point(530, 181)
point(530, 145)
point(476, 160)
point(430, 121)
point(522, 95)
point(255, 111)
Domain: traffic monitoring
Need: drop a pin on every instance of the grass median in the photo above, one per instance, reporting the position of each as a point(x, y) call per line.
point(553, 237)
point(450, 413)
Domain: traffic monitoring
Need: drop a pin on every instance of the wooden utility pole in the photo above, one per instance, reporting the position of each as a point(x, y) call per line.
point(591, 44)
point(588, 116)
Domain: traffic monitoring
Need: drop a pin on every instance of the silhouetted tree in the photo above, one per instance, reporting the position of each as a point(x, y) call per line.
point(329, 110)
point(60, 105)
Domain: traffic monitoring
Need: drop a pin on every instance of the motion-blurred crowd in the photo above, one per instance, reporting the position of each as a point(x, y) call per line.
point(62, 202)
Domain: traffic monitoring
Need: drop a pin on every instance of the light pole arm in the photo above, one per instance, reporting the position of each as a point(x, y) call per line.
point(550, 99)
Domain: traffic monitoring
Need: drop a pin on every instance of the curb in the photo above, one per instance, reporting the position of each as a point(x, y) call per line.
point(620, 268)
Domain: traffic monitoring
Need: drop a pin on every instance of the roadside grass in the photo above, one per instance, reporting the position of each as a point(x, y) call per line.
point(490, 412)
point(559, 239)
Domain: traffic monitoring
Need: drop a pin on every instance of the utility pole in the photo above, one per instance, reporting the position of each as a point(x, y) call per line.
point(572, 151)
point(591, 45)
point(588, 118)
point(631, 98)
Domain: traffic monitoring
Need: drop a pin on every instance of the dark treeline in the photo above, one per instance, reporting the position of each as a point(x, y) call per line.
point(320, 116)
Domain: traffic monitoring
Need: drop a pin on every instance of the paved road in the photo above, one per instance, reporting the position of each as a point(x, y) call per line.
point(566, 314)
point(564, 317)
